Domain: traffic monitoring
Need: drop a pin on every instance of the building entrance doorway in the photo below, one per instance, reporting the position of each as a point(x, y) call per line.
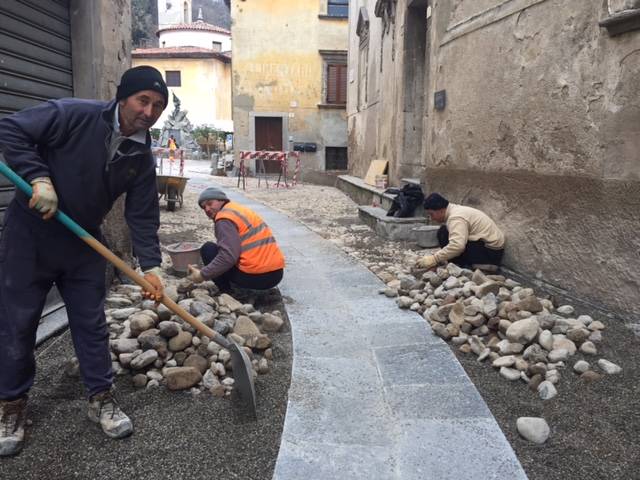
point(269, 137)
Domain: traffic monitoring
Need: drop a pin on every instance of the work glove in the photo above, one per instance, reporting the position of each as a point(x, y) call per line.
point(44, 198)
point(153, 276)
point(194, 274)
point(428, 262)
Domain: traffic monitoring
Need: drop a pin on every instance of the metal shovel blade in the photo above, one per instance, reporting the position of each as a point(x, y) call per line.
point(243, 376)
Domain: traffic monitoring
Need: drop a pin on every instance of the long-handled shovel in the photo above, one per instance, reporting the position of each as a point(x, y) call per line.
point(239, 361)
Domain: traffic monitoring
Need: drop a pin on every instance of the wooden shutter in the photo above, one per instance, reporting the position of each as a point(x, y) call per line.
point(336, 83)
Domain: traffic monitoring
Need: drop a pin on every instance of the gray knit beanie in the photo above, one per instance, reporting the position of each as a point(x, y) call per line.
point(211, 193)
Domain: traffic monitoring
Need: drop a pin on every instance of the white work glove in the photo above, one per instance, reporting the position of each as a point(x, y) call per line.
point(153, 276)
point(194, 274)
point(44, 198)
point(428, 262)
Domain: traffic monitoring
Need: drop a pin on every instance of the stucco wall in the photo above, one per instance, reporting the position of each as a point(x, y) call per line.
point(278, 71)
point(542, 129)
point(201, 78)
point(386, 113)
point(101, 52)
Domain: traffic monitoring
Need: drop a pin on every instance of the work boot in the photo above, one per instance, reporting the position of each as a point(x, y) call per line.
point(13, 415)
point(104, 409)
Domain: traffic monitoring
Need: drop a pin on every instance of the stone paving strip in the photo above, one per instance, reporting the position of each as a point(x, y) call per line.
point(374, 394)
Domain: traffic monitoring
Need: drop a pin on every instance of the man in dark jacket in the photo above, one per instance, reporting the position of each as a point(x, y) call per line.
point(79, 155)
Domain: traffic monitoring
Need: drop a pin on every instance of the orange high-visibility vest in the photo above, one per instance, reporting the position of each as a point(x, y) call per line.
point(259, 252)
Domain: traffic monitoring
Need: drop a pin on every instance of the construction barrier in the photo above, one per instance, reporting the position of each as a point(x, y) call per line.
point(260, 156)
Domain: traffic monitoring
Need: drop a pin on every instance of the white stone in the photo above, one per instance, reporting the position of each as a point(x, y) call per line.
point(505, 361)
point(565, 310)
point(534, 429)
point(546, 390)
point(510, 373)
point(545, 339)
point(506, 347)
point(608, 367)
point(523, 331)
point(552, 376)
point(588, 348)
point(581, 366)
point(558, 354)
point(585, 319)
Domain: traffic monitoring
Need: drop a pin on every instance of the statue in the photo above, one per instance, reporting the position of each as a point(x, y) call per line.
point(176, 104)
point(178, 126)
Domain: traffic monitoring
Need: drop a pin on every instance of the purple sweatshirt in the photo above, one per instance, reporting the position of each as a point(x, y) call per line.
point(228, 240)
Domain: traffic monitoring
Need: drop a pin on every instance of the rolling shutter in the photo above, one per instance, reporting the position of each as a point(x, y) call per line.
point(35, 60)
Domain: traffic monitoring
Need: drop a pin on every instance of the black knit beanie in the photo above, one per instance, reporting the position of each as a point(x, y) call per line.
point(141, 78)
point(435, 201)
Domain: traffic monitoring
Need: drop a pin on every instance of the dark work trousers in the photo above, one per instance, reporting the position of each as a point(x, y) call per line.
point(255, 281)
point(33, 255)
point(476, 252)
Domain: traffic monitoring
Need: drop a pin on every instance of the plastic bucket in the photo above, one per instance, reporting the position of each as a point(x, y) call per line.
point(184, 254)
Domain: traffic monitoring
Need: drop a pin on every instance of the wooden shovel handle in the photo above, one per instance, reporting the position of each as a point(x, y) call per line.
point(117, 261)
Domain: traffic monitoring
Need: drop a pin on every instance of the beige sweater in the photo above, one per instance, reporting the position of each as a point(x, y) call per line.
point(464, 224)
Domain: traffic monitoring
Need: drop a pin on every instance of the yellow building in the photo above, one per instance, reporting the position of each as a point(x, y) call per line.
point(195, 59)
point(199, 77)
point(289, 79)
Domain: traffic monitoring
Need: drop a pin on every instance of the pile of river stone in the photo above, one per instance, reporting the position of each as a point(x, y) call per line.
point(523, 336)
point(156, 347)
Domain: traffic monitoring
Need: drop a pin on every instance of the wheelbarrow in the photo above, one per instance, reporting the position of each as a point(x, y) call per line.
point(171, 188)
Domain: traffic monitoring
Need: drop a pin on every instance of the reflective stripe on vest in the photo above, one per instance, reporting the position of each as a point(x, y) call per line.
point(257, 243)
point(259, 252)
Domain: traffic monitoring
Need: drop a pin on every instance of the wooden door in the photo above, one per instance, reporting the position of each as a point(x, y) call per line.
point(269, 137)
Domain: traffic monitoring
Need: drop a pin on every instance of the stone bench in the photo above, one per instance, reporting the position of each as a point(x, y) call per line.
point(394, 228)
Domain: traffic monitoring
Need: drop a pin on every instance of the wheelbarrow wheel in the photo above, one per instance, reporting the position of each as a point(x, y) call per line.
point(172, 198)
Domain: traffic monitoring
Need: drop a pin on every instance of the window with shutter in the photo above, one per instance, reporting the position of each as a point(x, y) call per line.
point(336, 83)
point(173, 78)
point(338, 8)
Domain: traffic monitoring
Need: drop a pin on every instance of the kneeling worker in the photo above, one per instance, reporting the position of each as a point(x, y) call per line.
point(246, 253)
point(468, 238)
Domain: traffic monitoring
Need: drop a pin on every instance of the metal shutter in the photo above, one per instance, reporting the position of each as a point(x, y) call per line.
point(35, 60)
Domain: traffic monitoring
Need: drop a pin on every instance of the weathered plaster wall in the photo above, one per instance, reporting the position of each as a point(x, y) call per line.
point(278, 71)
point(201, 79)
point(101, 52)
point(542, 130)
point(101, 46)
point(386, 112)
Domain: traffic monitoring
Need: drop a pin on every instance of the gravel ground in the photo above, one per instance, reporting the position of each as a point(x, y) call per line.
point(594, 426)
point(177, 435)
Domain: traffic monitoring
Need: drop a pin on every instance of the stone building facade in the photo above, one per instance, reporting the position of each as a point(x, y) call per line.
point(527, 109)
point(289, 79)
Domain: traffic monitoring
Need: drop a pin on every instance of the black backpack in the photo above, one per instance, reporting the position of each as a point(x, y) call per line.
point(407, 199)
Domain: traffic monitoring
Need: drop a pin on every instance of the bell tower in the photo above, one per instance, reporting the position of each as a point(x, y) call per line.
point(172, 12)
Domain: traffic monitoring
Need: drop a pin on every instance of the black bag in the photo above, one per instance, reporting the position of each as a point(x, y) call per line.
point(406, 201)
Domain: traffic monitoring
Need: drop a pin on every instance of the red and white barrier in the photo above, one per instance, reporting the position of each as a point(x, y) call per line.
point(281, 156)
